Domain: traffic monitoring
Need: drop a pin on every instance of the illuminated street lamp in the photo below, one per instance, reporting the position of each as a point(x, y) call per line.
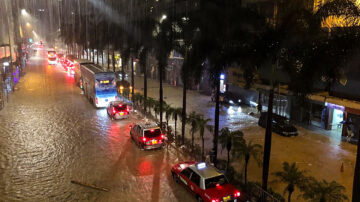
point(23, 12)
point(28, 25)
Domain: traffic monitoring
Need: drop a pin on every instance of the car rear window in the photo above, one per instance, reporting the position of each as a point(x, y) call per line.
point(212, 182)
point(120, 107)
point(151, 133)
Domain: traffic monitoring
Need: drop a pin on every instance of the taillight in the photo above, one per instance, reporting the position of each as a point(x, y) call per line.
point(113, 110)
point(237, 194)
point(162, 136)
point(127, 109)
point(144, 139)
point(96, 101)
point(214, 200)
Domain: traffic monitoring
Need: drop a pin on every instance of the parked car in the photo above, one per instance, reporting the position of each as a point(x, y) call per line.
point(280, 125)
point(231, 99)
point(118, 110)
point(205, 182)
point(147, 135)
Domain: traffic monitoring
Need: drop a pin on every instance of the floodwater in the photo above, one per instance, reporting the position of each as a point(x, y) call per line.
point(51, 135)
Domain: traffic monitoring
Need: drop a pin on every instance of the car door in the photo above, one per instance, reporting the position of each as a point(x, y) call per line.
point(133, 132)
point(194, 183)
point(184, 177)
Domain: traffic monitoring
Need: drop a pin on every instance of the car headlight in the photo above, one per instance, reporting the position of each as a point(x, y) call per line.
point(231, 102)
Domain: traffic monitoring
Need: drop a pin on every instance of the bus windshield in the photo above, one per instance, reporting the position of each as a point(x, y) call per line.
point(105, 85)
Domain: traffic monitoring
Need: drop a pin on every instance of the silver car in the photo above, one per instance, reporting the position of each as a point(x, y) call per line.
point(147, 135)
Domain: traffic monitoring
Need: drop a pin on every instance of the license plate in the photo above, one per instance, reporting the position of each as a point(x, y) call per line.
point(227, 198)
point(154, 142)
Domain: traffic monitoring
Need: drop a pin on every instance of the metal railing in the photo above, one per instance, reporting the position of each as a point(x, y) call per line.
point(262, 195)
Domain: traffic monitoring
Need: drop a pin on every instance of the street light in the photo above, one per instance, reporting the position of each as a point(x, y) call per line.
point(28, 25)
point(163, 17)
point(23, 12)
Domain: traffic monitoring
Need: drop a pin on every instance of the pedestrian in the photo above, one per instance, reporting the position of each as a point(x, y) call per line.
point(207, 159)
point(350, 134)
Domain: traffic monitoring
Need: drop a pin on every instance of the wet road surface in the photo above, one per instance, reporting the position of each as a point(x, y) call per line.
point(50, 134)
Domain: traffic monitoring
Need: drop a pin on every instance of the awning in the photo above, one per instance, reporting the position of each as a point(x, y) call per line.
point(335, 100)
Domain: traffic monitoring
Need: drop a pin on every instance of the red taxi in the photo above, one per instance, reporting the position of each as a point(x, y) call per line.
point(118, 110)
point(205, 182)
point(52, 58)
point(69, 63)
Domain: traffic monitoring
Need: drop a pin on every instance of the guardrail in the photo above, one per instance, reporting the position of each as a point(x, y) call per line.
point(262, 195)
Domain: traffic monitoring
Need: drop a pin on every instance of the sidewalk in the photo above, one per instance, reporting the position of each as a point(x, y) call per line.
point(321, 155)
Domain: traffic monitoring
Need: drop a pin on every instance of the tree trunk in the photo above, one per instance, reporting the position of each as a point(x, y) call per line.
point(228, 160)
point(113, 60)
point(97, 56)
point(246, 169)
point(132, 79)
point(145, 79)
point(175, 129)
point(122, 68)
point(192, 140)
point(183, 121)
point(356, 183)
point(102, 59)
point(108, 58)
point(217, 109)
point(289, 197)
point(267, 144)
point(202, 147)
point(93, 55)
point(161, 69)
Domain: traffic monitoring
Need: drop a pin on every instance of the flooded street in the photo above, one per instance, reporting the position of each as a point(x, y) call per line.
point(50, 135)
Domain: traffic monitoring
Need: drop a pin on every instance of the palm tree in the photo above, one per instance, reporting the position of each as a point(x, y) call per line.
point(192, 120)
point(292, 176)
point(229, 138)
point(150, 102)
point(163, 47)
point(156, 108)
point(323, 191)
point(246, 151)
point(203, 124)
point(168, 113)
point(176, 113)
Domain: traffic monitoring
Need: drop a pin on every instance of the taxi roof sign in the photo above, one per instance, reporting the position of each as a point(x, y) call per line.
point(201, 165)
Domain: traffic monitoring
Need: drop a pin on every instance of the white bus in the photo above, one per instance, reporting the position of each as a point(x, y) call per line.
point(99, 87)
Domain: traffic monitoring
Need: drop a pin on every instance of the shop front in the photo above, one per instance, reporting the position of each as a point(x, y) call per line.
point(351, 126)
point(341, 117)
